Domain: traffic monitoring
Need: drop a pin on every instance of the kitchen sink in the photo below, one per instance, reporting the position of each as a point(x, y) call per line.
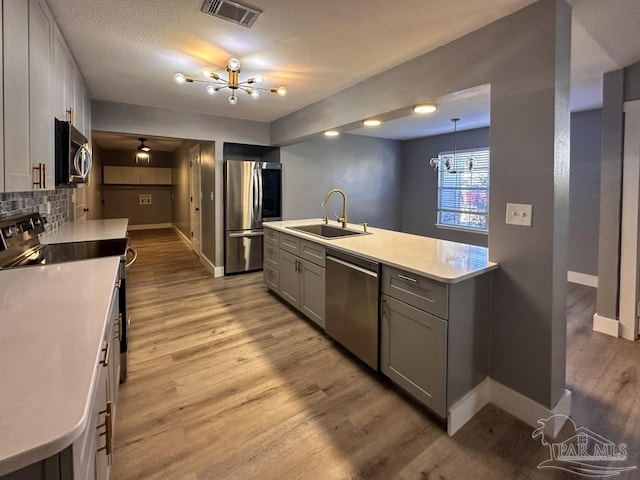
point(327, 231)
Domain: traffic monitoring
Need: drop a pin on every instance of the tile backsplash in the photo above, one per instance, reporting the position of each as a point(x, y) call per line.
point(26, 202)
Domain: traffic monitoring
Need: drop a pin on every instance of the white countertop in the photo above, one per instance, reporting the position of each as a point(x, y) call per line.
point(52, 323)
point(86, 230)
point(441, 260)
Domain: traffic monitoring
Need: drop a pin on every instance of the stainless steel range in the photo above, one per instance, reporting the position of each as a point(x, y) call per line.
point(20, 247)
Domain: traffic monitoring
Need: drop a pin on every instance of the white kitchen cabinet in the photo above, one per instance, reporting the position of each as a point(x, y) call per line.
point(117, 175)
point(1, 107)
point(17, 162)
point(33, 83)
point(155, 176)
point(41, 139)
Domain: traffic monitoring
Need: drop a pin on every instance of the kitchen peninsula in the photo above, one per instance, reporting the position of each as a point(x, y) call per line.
point(432, 303)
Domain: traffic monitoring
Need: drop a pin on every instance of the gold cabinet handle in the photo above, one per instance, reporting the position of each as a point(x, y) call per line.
point(119, 323)
point(42, 175)
point(105, 362)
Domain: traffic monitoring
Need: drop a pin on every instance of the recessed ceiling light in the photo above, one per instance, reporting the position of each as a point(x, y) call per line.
point(425, 108)
point(332, 133)
point(371, 122)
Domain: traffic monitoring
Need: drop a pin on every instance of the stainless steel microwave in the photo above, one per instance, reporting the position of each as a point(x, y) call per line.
point(72, 155)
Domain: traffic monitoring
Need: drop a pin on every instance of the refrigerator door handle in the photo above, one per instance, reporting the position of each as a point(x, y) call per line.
point(246, 234)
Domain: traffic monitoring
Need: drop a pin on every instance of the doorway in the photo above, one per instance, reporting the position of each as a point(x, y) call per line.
point(195, 198)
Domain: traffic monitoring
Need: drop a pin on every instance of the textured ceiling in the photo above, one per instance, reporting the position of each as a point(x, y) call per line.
point(128, 50)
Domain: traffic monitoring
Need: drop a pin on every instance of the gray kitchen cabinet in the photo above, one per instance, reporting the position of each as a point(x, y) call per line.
point(413, 352)
point(434, 336)
point(294, 269)
point(312, 291)
point(289, 278)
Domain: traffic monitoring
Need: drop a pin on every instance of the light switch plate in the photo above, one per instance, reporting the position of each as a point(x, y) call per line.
point(519, 214)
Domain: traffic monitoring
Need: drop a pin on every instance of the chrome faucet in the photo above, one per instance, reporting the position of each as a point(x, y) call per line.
point(343, 218)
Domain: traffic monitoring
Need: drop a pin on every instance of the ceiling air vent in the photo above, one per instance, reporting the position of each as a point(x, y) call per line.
point(232, 11)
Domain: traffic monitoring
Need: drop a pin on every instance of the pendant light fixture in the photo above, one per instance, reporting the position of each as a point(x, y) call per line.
point(450, 162)
point(142, 151)
point(215, 83)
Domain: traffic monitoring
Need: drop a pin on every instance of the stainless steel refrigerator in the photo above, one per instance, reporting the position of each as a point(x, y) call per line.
point(253, 194)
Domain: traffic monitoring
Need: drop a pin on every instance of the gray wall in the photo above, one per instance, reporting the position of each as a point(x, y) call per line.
point(123, 202)
point(366, 169)
point(420, 184)
point(584, 196)
point(120, 201)
point(619, 86)
point(525, 57)
point(207, 207)
point(180, 190)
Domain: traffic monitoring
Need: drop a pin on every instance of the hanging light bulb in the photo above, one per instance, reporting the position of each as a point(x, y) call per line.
point(233, 99)
point(233, 64)
point(210, 89)
point(435, 163)
point(179, 78)
point(254, 93)
point(257, 79)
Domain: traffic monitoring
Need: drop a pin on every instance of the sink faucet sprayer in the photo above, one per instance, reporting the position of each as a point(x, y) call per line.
point(343, 218)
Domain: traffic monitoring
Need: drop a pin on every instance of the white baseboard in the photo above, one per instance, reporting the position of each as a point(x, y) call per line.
point(583, 279)
point(215, 271)
point(182, 236)
point(521, 407)
point(149, 226)
point(530, 411)
point(605, 325)
point(465, 408)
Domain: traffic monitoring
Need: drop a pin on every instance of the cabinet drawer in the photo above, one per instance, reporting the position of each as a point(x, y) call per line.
point(290, 243)
point(420, 292)
point(271, 277)
point(313, 252)
point(272, 236)
point(271, 255)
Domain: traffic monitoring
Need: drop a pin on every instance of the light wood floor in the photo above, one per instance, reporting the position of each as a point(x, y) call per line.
point(226, 382)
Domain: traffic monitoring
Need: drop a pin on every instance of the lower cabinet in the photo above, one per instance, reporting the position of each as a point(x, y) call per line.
point(413, 352)
point(298, 279)
point(89, 456)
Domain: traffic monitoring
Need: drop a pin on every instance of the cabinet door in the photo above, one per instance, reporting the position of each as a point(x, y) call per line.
point(413, 352)
point(312, 278)
point(78, 103)
point(40, 64)
point(58, 106)
point(17, 164)
point(289, 278)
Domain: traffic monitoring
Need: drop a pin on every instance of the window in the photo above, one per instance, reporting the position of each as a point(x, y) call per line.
point(463, 197)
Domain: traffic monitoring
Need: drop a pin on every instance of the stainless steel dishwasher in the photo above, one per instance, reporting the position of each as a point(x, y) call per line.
point(351, 315)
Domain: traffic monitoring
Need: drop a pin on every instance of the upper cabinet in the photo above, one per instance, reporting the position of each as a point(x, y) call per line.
point(40, 82)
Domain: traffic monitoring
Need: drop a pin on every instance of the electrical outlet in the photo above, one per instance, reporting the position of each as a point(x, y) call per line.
point(145, 199)
point(519, 214)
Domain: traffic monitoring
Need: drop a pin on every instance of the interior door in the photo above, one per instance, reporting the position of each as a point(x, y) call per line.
point(194, 166)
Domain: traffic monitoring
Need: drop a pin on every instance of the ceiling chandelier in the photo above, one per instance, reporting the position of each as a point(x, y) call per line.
point(450, 161)
point(215, 83)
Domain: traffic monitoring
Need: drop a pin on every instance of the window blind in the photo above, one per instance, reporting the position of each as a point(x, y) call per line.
point(463, 196)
